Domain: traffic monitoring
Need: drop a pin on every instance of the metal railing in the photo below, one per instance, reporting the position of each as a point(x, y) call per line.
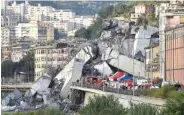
point(106, 88)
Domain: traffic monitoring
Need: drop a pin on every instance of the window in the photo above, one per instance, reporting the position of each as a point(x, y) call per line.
point(42, 51)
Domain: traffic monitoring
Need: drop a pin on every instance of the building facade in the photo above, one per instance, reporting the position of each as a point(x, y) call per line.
point(35, 30)
point(9, 21)
point(5, 53)
point(5, 36)
point(166, 20)
point(140, 9)
point(55, 56)
point(16, 10)
point(37, 13)
point(174, 54)
point(152, 61)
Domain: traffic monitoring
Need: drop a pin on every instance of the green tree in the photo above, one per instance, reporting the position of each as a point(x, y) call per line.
point(151, 18)
point(103, 105)
point(106, 11)
point(94, 31)
point(83, 33)
point(7, 68)
point(26, 64)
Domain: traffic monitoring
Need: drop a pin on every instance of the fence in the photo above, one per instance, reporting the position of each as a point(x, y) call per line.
point(106, 88)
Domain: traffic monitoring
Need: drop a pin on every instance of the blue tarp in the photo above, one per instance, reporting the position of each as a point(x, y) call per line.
point(125, 77)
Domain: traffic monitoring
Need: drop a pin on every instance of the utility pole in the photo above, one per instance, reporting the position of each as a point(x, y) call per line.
point(133, 72)
point(103, 75)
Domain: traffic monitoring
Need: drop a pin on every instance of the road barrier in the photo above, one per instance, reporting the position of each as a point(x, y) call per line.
point(106, 88)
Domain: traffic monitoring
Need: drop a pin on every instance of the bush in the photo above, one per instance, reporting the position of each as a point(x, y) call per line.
point(176, 95)
point(174, 107)
point(163, 92)
point(143, 109)
point(103, 105)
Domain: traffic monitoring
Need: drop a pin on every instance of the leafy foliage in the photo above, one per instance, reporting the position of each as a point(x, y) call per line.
point(143, 109)
point(151, 18)
point(174, 106)
point(163, 92)
point(24, 65)
point(106, 11)
point(100, 105)
point(7, 68)
point(83, 33)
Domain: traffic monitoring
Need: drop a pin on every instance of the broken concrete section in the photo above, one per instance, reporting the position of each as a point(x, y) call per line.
point(124, 63)
point(73, 71)
point(104, 69)
point(12, 99)
point(8, 108)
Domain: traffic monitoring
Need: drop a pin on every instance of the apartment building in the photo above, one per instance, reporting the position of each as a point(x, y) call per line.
point(168, 18)
point(152, 61)
point(141, 9)
point(55, 55)
point(9, 21)
point(80, 22)
point(5, 36)
point(174, 54)
point(16, 11)
point(60, 25)
point(61, 15)
point(37, 12)
point(35, 30)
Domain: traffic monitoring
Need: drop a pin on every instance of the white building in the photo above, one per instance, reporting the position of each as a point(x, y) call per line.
point(37, 12)
point(49, 55)
point(60, 15)
point(4, 3)
point(61, 25)
point(80, 22)
point(35, 30)
point(5, 36)
point(68, 14)
point(47, 13)
point(16, 11)
point(9, 21)
point(140, 9)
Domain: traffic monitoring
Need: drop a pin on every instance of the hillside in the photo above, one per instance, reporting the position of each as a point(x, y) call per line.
point(80, 7)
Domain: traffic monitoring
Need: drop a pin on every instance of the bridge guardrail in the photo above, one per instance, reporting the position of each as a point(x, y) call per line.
point(107, 89)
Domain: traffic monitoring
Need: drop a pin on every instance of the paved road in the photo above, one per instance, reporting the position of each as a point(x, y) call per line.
point(10, 87)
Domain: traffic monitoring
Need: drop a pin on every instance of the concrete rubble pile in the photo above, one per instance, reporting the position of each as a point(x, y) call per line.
point(120, 46)
point(42, 94)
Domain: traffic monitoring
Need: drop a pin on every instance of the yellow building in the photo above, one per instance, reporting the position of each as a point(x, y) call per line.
point(152, 61)
point(50, 55)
